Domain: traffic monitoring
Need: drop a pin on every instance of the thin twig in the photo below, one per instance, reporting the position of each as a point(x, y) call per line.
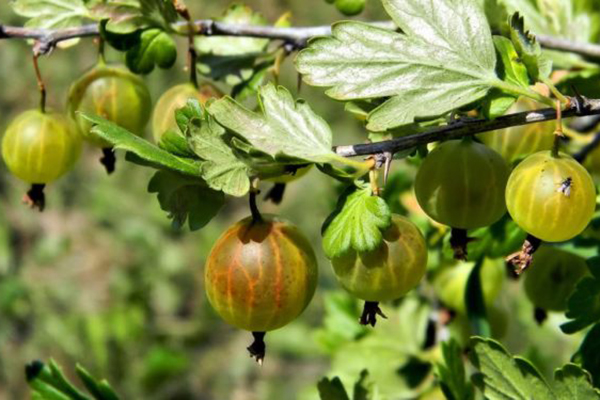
point(464, 128)
point(298, 36)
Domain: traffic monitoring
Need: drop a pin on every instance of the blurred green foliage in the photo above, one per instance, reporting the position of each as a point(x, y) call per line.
point(102, 279)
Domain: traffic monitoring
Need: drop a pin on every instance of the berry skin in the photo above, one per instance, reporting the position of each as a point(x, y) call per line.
point(260, 276)
point(518, 142)
point(390, 271)
point(450, 283)
point(552, 277)
point(461, 184)
point(40, 147)
point(163, 117)
point(551, 198)
point(350, 7)
point(113, 93)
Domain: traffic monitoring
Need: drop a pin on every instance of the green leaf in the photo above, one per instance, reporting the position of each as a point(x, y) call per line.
point(444, 60)
point(574, 383)
point(101, 390)
point(155, 47)
point(221, 169)
point(452, 375)
point(356, 224)
point(285, 128)
point(186, 198)
point(128, 16)
point(529, 50)
point(588, 353)
point(52, 14)
point(510, 67)
point(175, 143)
point(332, 389)
point(583, 307)
point(229, 58)
point(122, 139)
point(504, 377)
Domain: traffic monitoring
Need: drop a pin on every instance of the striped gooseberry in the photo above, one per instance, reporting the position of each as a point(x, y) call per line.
point(518, 142)
point(113, 93)
point(40, 147)
point(461, 184)
point(163, 117)
point(551, 197)
point(389, 271)
point(450, 283)
point(260, 275)
point(552, 276)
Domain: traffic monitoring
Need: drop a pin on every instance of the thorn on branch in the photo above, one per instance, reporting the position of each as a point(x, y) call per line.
point(370, 312)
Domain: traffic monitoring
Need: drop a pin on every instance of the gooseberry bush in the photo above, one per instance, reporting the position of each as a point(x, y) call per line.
point(471, 197)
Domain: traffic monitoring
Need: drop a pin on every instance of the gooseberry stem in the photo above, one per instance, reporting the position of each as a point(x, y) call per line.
point(40, 82)
point(522, 259)
point(101, 56)
point(256, 215)
point(558, 132)
point(183, 11)
point(459, 241)
point(35, 197)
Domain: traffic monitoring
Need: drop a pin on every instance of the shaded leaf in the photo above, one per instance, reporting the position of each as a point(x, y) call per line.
point(529, 50)
point(589, 353)
point(574, 383)
point(186, 199)
point(452, 375)
point(155, 47)
point(583, 307)
point(356, 224)
point(100, 389)
point(332, 389)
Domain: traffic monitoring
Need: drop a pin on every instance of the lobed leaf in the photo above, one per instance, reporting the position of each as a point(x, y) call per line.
point(285, 128)
point(356, 224)
point(452, 375)
point(583, 307)
point(443, 60)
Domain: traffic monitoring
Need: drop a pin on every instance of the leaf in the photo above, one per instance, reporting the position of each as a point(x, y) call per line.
point(122, 139)
point(444, 60)
point(529, 50)
point(332, 389)
point(356, 224)
point(222, 170)
point(229, 58)
point(574, 383)
point(510, 67)
point(125, 17)
point(154, 48)
point(452, 375)
point(52, 14)
point(588, 353)
point(583, 307)
point(186, 199)
point(504, 377)
point(285, 128)
point(101, 390)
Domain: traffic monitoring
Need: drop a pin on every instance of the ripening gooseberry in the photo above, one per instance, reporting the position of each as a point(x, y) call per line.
point(163, 117)
point(261, 275)
point(40, 147)
point(113, 93)
point(461, 184)
point(551, 197)
point(552, 277)
point(518, 142)
point(450, 283)
point(391, 270)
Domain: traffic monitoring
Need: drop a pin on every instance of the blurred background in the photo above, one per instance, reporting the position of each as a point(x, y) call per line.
point(100, 278)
